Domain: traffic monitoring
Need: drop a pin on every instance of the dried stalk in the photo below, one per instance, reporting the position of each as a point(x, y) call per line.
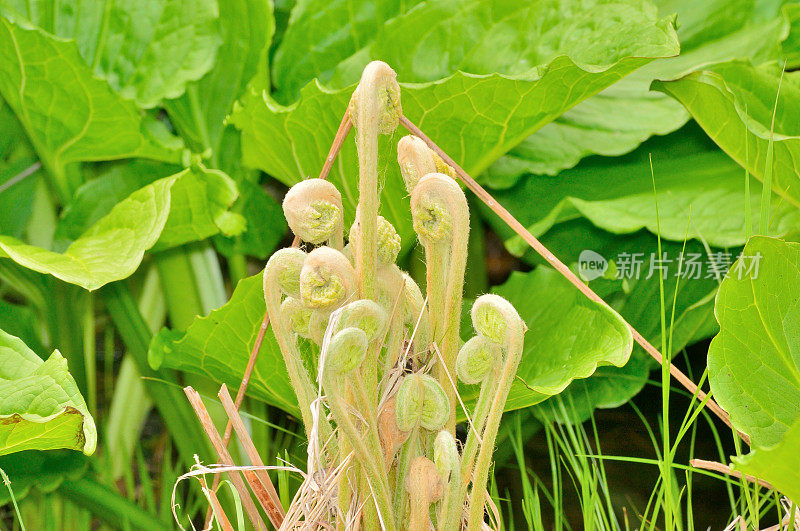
point(272, 506)
point(725, 469)
point(208, 425)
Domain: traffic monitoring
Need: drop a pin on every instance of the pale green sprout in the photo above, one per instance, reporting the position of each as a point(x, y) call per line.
point(389, 354)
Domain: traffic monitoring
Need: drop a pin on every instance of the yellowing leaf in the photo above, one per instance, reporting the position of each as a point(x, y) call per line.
point(40, 405)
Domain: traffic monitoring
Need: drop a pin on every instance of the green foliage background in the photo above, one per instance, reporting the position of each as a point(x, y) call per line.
point(144, 146)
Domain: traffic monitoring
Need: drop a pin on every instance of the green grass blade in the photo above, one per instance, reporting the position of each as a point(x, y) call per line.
point(766, 191)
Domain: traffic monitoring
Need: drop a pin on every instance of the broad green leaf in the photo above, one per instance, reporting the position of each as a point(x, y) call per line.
point(791, 45)
point(475, 117)
point(111, 249)
point(779, 464)
point(610, 123)
point(200, 115)
point(146, 50)
point(40, 405)
point(754, 361)
point(113, 184)
point(44, 471)
point(700, 192)
point(200, 199)
point(568, 336)
point(733, 102)
point(619, 118)
point(218, 346)
point(67, 112)
point(323, 33)
point(247, 27)
point(523, 41)
point(636, 298)
point(187, 206)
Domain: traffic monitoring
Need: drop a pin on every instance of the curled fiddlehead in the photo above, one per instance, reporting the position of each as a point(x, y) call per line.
point(374, 109)
point(441, 220)
point(347, 350)
point(494, 318)
point(327, 279)
point(377, 94)
point(421, 401)
point(365, 314)
point(389, 242)
point(313, 210)
point(416, 160)
point(286, 264)
point(476, 359)
point(281, 275)
point(296, 316)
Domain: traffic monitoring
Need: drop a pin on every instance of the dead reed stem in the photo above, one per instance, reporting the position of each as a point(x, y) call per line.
point(225, 456)
point(273, 506)
point(725, 469)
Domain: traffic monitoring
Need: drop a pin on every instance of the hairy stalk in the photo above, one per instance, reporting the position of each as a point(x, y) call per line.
point(388, 247)
point(343, 354)
point(417, 318)
point(411, 449)
point(374, 109)
point(441, 219)
point(389, 424)
point(370, 317)
point(479, 360)
point(496, 319)
point(391, 294)
point(422, 408)
point(282, 274)
point(445, 456)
